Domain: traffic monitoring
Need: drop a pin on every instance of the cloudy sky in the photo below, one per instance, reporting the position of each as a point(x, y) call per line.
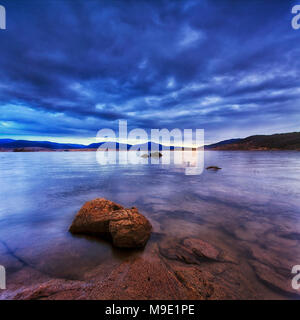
point(69, 68)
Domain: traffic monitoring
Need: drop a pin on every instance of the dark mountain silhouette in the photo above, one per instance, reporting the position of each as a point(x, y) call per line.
point(222, 143)
point(23, 145)
point(282, 141)
point(108, 145)
point(12, 144)
point(6, 140)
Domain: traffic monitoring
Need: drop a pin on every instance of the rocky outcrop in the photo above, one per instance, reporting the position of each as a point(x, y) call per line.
point(126, 227)
point(145, 277)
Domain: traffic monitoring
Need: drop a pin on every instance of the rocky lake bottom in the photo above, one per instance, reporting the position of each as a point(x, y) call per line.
point(227, 234)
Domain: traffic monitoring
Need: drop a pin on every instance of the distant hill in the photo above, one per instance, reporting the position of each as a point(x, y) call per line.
point(222, 143)
point(283, 141)
point(12, 144)
point(155, 146)
point(26, 145)
point(108, 145)
point(6, 140)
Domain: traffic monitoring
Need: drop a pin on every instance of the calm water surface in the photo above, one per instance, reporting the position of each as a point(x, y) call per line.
point(252, 204)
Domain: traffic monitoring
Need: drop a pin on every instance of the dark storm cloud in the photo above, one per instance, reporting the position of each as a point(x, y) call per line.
point(73, 67)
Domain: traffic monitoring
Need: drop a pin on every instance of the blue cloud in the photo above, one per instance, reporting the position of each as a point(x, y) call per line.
point(69, 68)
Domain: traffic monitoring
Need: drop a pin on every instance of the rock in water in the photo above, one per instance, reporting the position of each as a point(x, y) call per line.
point(126, 227)
point(152, 155)
point(94, 217)
point(129, 228)
point(213, 168)
point(155, 154)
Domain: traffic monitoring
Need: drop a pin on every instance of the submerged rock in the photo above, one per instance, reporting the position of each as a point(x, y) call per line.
point(193, 251)
point(274, 280)
point(202, 249)
point(126, 227)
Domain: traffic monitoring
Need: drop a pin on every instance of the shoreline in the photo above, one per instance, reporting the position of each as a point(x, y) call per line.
point(96, 150)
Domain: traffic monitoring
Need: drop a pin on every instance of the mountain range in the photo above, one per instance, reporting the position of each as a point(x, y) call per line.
point(26, 145)
point(283, 141)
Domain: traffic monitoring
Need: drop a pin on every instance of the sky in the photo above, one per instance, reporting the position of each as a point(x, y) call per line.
point(69, 68)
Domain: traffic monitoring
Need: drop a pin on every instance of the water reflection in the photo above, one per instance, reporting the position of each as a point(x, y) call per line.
point(192, 161)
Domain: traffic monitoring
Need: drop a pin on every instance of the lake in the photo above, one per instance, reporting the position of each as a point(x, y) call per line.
point(250, 210)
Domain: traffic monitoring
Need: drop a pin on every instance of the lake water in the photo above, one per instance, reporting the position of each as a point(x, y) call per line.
point(250, 209)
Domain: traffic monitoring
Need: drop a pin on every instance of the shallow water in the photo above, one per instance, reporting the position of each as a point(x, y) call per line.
point(250, 208)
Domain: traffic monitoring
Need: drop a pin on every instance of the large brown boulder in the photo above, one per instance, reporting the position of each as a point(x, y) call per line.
point(126, 227)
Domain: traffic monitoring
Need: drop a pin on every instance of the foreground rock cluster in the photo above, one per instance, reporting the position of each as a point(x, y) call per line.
point(126, 227)
point(183, 260)
point(146, 275)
